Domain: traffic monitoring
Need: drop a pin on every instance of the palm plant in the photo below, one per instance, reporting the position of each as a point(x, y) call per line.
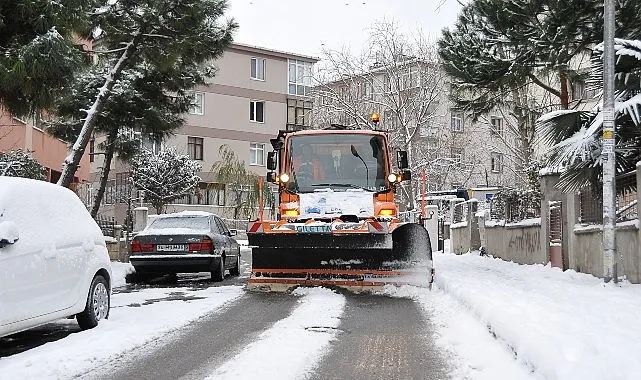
point(575, 135)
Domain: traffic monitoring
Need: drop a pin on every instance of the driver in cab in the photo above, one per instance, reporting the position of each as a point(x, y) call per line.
point(307, 166)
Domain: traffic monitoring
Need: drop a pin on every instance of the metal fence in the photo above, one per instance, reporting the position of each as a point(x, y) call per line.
point(107, 225)
point(590, 201)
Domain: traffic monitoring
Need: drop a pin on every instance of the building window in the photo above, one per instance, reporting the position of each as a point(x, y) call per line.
point(299, 112)
point(457, 155)
point(427, 130)
point(198, 103)
point(257, 70)
point(300, 78)
point(457, 122)
point(257, 111)
point(578, 89)
point(496, 162)
point(497, 125)
point(409, 78)
point(154, 145)
point(92, 150)
point(195, 148)
point(257, 154)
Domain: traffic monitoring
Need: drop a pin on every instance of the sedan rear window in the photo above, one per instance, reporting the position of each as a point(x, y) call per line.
point(195, 222)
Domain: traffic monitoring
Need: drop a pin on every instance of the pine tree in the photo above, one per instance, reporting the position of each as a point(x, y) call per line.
point(159, 31)
point(39, 56)
point(148, 99)
point(165, 176)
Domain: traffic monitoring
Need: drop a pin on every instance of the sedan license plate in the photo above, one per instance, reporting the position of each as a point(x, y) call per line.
point(171, 247)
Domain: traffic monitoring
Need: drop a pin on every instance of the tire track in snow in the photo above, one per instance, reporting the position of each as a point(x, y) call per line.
point(294, 345)
point(207, 343)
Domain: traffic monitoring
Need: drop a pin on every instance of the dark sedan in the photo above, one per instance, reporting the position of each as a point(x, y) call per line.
point(186, 242)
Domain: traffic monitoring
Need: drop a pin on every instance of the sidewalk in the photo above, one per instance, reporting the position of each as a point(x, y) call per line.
point(562, 325)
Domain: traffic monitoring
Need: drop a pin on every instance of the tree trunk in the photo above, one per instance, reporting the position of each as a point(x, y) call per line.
point(104, 175)
point(70, 165)
point(565, 102)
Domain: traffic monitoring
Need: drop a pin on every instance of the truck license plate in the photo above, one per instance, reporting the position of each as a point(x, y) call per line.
point(314, 229)
point(171, 247)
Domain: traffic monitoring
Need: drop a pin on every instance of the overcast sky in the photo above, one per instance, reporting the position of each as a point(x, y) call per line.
point(303, 26)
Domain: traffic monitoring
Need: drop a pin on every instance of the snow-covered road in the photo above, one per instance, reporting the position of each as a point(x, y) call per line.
point(488, 319)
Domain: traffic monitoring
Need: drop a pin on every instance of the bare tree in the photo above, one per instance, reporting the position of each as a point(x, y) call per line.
point(399, 77)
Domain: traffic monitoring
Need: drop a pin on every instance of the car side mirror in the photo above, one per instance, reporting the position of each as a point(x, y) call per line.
point(8, 233)
point(271, 177)
point(271, 161)
point(401, 159)
point(233, 232)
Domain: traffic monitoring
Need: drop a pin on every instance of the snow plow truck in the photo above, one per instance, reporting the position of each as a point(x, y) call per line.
point(338, 223)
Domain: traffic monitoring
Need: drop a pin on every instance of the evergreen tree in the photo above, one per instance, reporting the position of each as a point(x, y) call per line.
point(577, 135)
point(500, 53)
point(148, 99)
point(497, 46)
point(164, 177)
point(20, 164)
point(39, 56)
point(160, 31)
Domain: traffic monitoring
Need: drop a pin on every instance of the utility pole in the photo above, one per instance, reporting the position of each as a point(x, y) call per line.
point(607, 153)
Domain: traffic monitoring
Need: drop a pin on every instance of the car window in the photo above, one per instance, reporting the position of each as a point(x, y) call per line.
point(193, 222)
point(214, 226)
point(222, 226)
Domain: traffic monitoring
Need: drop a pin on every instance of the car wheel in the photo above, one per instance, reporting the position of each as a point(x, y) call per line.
point(136, 278)
point(218, 274)
point(235, 271)
point(98, 302)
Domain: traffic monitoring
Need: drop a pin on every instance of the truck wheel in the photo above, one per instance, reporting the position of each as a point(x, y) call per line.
point(97, 306)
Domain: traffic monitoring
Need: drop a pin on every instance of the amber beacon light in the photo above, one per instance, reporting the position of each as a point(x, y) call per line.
point(375, 117)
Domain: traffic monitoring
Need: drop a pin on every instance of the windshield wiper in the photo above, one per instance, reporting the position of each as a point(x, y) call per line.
point(349, 185)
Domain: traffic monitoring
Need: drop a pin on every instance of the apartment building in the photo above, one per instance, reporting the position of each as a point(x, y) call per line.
point(17, 134)
point(256, 92)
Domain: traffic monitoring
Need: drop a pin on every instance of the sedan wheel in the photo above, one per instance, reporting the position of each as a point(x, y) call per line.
point(97, 306)
point(235, 271)
point(218, 274)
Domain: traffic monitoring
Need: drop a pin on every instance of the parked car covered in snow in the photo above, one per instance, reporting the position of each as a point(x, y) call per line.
point(53, 259)
point(185, 242)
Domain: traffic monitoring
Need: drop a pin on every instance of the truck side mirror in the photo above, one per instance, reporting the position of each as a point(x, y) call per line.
point(406, 175)
point(271, 161)
point(401, 159)
point(271, 177)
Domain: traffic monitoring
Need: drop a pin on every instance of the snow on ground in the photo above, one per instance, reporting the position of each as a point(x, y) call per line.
point(135, 322)
point(560, 325)
point(119, 271)
point(473, 353)
point(290, 340)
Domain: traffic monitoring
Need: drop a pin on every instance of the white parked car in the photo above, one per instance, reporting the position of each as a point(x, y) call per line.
point(53, 259)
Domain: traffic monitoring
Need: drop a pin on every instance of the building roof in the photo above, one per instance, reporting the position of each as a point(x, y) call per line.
point(272, 52)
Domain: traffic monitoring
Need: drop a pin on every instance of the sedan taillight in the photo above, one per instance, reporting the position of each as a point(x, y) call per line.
point(136, 246)
point(204, 245)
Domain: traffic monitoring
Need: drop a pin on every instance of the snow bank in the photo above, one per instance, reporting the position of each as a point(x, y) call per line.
point(564, 325)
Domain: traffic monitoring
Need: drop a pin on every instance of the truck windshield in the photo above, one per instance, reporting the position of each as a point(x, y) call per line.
point(341, 162)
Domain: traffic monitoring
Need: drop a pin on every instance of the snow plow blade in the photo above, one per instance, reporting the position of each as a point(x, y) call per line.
point(359, 260)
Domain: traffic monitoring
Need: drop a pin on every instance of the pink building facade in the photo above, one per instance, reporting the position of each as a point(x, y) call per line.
point(18, 134)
